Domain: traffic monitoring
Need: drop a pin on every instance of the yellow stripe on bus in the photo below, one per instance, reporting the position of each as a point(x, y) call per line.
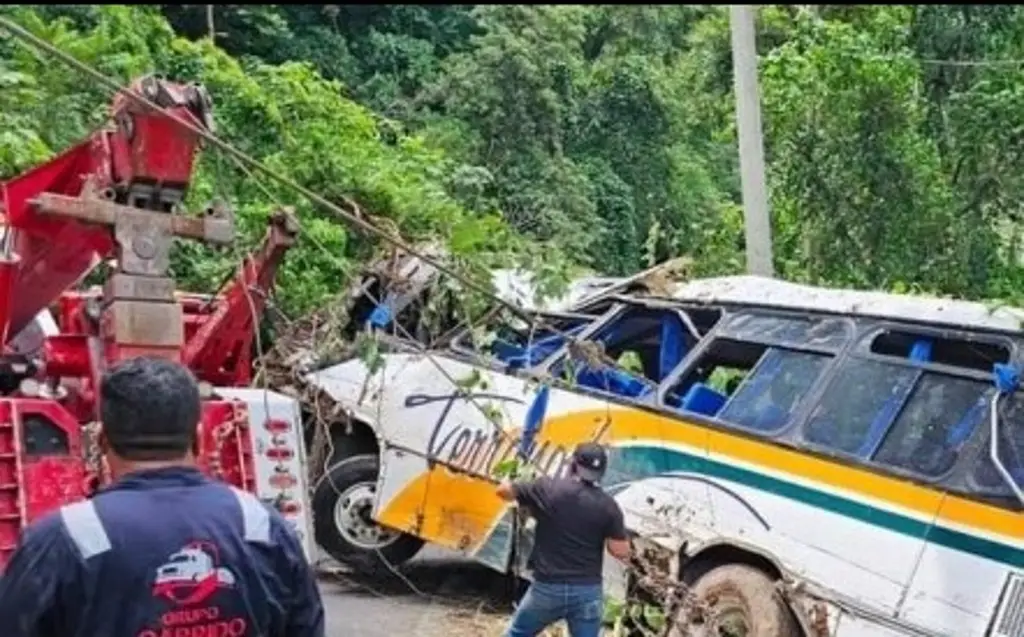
point(458, 511)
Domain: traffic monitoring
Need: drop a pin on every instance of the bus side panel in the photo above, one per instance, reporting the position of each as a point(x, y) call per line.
point(826, 547)
point(440, 451)
point(854, 626)
point(872, 564)
point(962, 574)
point(399, 472)
point(823, 520)
point(444, 444)
point(954, 589)
point(830, 522)
point(668, 506)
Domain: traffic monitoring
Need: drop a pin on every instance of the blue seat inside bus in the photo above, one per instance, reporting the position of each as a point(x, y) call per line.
point(700, 399)
point(672, 348)
point(704, 400)
point(613, 381)
point(517, 356)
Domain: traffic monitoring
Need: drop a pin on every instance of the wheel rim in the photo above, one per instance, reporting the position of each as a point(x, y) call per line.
point(730, 622)
point(353, 520)
point(717, 616)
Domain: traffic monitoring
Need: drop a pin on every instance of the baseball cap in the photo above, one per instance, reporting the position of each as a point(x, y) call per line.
point(590, 460)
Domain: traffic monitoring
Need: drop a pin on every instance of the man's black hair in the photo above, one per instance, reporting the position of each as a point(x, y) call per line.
point(150, 409)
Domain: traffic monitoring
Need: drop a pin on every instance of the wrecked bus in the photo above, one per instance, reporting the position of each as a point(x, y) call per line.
point(808, 461)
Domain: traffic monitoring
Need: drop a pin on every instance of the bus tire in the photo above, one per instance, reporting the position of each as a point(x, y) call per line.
point(738, 599)
point(342, 502)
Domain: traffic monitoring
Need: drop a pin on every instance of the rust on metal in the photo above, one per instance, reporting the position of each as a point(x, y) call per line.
point(819, 619)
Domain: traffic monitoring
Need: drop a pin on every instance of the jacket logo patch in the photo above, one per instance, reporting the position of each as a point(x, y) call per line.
point(192, 575)
point(188, 580)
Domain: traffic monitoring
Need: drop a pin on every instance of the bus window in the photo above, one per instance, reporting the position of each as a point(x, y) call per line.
point(976, 355)
point(646, 343)
point(801, 331)
point(721, 369)
point(748, 384)
point(768, 398)
point(858, 406)
point(910, 417)
point(939, 417)
point(517, 344)
point(1011, 449)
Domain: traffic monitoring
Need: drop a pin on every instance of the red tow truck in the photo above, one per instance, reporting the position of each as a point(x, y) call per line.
point(115, 199)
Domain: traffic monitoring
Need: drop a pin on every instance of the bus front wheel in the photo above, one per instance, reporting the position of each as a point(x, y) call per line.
point(343, 501)
point(736, 600)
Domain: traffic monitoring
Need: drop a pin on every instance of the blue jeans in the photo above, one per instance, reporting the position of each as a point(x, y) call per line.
point(580, 605)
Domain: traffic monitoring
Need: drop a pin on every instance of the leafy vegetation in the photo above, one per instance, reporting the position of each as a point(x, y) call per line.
point(604, 134)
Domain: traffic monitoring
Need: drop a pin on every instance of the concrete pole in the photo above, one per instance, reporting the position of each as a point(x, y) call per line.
point(210, 26)
point(757, 223)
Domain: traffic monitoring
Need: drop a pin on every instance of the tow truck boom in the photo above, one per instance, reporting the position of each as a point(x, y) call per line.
point(116, 198)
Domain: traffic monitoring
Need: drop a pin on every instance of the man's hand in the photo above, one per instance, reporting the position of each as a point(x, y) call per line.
point(506, 490)
point(619, 549)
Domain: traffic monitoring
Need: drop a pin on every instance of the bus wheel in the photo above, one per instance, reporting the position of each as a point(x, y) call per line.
point(343, 500)
point(736, 600)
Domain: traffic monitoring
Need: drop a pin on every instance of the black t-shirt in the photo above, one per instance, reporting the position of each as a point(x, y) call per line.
point(573, 521)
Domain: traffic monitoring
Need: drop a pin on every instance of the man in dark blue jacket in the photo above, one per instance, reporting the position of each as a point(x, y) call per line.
point(163, 551)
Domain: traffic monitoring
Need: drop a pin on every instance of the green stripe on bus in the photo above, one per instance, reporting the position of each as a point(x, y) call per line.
point(634, 463)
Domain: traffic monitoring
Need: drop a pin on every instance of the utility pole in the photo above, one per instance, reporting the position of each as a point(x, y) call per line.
point(210, 25)
point(757, 223)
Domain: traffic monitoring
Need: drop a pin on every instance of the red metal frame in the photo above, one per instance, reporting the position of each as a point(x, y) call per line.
point(112, 196)
point(220, 349)
point(145, 147)
point(31, 484)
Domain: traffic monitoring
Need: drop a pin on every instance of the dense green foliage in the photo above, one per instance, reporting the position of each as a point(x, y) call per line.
point(285, 115)
point(604, 133)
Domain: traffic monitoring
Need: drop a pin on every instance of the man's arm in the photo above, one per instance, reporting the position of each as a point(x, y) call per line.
point(30, 586)
point(617, 541)
point(305, 608)
point(530, 493)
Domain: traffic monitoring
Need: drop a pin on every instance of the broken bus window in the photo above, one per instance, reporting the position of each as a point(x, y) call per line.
point(939, 417)
point(756, 372)
point(751, 385)
point(890, 407)
point(1011, 450)
point(652, 341)
point(519, 344)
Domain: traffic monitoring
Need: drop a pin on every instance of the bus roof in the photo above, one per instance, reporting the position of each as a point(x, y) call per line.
point(768, 292)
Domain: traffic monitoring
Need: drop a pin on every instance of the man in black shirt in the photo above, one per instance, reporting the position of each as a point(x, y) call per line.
point(576, 521)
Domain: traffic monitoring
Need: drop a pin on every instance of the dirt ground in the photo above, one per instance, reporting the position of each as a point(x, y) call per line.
point(436, 597)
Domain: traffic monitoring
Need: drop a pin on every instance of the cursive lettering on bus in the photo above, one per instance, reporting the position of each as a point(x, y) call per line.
point(443, 434)
point(478, 447)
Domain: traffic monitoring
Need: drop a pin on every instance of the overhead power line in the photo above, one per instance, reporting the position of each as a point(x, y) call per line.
point(978, 63)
